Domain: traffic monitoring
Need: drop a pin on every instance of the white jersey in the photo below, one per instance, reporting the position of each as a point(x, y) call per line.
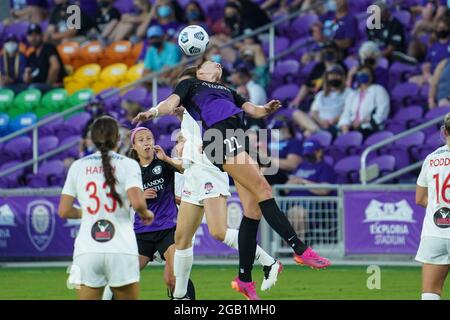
point(105, 226)
point(192, 132)
point(435, 175)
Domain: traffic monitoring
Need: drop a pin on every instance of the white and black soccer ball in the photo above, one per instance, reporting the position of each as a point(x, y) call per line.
point(193, 40)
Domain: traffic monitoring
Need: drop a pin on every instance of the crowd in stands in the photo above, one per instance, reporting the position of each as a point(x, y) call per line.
point(340, 77)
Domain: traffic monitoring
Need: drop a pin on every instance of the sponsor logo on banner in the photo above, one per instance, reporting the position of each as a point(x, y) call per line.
point(40, 221)
point(6, 216)
point(389, 221)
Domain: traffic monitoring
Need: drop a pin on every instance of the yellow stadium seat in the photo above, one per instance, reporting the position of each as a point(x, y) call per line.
point(86, 74)
point(135, 72)
point(99, 86)
point(113, 74)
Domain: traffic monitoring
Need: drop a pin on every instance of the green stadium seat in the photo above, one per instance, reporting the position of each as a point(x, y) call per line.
point(6, 99)
point(79, 97)
point(27, 100)
point(42, 111)
point(54, 100)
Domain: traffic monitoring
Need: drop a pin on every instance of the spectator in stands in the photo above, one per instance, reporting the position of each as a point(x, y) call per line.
point(366, 108)
point(45, 69)
point(163, 16)
point(370, 55)
point(431, 11)
point(328, 104)
point(330, 55)
point(107, 19)
point(58, 30)
point(312, 170)
point(341, 26)
point(391, 36)
point(131, 22)
point(319, 40)
point(33, 11)
point(196, 15)
point(160, 53)
point(284, 149)
point(438, 51)
point(12, 65)
point(247, 87)
point(439, 94)
point(214, 53)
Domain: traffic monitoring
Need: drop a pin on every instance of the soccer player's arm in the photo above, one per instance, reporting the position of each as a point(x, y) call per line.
point(422, 186)
point(253, 110)
point(66, 210)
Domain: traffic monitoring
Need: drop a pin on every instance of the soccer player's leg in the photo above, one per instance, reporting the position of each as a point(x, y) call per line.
point(127, 292)
point(189, 219)
point(244, 170)
point(433, 279)
point(88, 293)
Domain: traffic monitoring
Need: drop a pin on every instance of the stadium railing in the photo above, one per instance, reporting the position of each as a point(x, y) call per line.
point(153, 77)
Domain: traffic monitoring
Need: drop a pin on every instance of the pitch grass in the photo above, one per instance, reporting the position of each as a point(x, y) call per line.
point(213, 282)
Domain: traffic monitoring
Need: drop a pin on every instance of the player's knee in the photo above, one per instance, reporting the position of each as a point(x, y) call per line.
point(217, 233)
point(264, 189)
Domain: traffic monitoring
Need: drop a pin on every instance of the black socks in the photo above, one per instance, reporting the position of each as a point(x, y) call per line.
point(247, 247)
point(280, 223)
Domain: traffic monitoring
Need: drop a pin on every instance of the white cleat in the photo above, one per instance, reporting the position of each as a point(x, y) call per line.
point(271, 275)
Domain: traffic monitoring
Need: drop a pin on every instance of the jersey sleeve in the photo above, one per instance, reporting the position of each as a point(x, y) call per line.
point(133, 176)
point(238, 99)
point(182, 89)
point(422, 179)
point(179, 182)
point(70, 186)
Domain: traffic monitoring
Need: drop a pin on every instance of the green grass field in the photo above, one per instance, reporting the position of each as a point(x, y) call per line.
point(213, 282)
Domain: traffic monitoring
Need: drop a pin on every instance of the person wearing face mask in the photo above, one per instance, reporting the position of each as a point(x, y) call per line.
point(195, 15)
point(439, 94)
point(132, 21)
point(391, 36)
point(438, 51)
point(370, 55)
point(12, 65)
point(328, 104)
point(366, 108)
point(160, 53)
point(107, 18)
point(330, 56)
point(312, 170)
point(429, 13)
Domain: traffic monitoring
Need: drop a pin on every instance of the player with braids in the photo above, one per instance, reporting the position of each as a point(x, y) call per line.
point(106, 185)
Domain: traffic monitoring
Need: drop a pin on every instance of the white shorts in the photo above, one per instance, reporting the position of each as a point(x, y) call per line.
point(97, 270)
point(202, 182)
point(433, 250)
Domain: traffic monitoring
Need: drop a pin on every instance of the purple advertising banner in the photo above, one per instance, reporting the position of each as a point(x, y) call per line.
point(382, 222)
point(30, 227)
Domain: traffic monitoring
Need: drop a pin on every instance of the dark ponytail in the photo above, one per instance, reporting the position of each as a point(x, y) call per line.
point(105, 135)
point(134, 155)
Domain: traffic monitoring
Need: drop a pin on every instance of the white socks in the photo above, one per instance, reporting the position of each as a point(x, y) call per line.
point(107, 293)
point(430, 296)
point(182, 266)
point(231, 240)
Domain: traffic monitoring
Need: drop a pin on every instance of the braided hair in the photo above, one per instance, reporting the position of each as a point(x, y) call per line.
point(105, 135)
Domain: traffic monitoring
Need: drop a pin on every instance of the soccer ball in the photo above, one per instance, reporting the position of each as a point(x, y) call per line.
point(193, 40)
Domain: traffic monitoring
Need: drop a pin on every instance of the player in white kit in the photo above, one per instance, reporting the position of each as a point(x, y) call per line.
point(105, 185)
point(433, 192)
point(205, 189)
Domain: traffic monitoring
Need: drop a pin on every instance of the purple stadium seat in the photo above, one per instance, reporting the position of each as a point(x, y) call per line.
point(163, 93)
point(322, 137)
point(404, 119)
point(404, 148)
point(285, 93)
point(72, 152)
point(347, 170)
point(351, 62)
point(302, 45)
point(18, 29)
point(111, 102)
point(405, 94)
point(166, 125)
point(329, 160)
point(345, 144)
point(165, 142)
point(373, 139)
point(281, 44)
point(432, 142)
point(386, 164)
point(286, 72)
point(74, 125)
point(49, 173)
point(52, 127)
point(301, 25)
point(438, 112)
point(18, 149)
point(47, 144)
point(137, 95)
point(400, 72)
point(12, 180)
point(124, 6)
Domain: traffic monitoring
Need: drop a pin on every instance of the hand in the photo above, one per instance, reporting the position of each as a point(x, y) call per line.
point(272, 106)
point(160, 153)
point(144, 116)
point(431, 103)
point(294, 180)
point(147, 218)
point(150, 194)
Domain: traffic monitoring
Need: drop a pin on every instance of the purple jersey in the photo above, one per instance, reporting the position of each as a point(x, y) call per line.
point(438, 52)
point(316, 172)
point(207, 101)
point(159, 176)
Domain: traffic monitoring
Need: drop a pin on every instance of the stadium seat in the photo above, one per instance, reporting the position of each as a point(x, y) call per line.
point(404, 148)
point(11, 180)
point(6, 99)
point(26, 101)
point(322, 137)
point(49, 174)
point(89, 53)
point(82, 78)
point(285, 93)
point(4, 124)
point(51, 128)
point(300, 26)
point(347, 169)
point(113, 74)
point(117, 52)
point(386, 164)
point(19, 148)
point(345, 144)
point(68, 52)
point(22, 121)
point(134, 73)
point(79, 97)
point(55, 99)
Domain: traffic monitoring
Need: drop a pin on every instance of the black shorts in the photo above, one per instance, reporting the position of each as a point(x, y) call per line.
point(225, 139)
point(150, 242)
